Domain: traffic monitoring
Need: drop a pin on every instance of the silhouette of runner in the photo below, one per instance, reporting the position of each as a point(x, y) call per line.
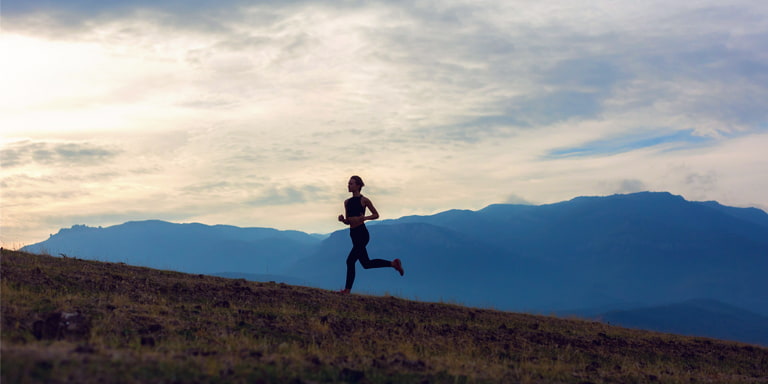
point(354, 207)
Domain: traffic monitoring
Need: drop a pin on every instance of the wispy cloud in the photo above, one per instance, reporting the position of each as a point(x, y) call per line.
point(677, 140)
point(55, 154)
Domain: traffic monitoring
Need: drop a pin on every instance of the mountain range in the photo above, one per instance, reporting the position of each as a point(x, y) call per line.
point(638, 260)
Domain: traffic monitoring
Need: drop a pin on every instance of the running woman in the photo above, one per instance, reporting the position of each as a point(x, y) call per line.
point(354, 208)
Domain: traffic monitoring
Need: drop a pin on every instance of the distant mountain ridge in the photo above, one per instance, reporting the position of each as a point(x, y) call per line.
point(192, 248)
point(598, 251)
point(648, 249)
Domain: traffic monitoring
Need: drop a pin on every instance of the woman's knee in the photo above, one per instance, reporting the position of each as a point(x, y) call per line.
point(351, 260)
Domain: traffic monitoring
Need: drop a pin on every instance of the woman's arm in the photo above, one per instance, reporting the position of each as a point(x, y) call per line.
point(341, 217)
point(368, 204)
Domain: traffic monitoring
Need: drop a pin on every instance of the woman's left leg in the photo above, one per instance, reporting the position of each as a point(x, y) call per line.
point(362, 253)
point(360, 238)
point(375, 263)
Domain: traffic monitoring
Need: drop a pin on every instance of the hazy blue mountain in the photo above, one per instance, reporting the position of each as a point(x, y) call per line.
point(696, 318)
point(598, 251)
point(621, 251)
point(194, 248)
point(754, 215)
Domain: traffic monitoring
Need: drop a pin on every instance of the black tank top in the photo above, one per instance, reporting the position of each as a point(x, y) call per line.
point(354, 207)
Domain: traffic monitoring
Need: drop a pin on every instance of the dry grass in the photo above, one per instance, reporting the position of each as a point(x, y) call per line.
point(70, 320)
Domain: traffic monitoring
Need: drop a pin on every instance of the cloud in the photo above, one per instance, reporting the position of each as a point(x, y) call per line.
point(38, 193)
point(557, 106)
point(55, 154)
point(631, 186)
point(632, 142)
point(455, 66)
point(76, 15)
point(585, 73)
point(286, 196)
point(701, 182)
point(515, 199)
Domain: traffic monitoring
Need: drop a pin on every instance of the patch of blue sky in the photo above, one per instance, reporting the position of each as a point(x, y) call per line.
point(682, 139)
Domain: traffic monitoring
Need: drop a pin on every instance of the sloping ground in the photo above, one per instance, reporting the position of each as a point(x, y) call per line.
point(70, 320)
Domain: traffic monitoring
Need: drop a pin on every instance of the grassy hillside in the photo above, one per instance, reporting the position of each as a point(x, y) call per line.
point(70, 320)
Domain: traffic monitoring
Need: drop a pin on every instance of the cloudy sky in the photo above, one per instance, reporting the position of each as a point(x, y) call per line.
point(255, 113)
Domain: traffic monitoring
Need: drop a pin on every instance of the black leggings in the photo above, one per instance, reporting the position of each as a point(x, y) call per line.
point(360, 238)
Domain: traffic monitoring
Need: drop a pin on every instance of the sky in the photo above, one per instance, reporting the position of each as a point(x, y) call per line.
point(255, 113)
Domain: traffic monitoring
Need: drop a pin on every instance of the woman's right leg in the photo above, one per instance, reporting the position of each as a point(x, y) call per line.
point(351, 260)
point(360, 238)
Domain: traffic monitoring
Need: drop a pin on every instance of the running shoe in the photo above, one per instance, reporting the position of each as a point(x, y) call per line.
point(398, 266)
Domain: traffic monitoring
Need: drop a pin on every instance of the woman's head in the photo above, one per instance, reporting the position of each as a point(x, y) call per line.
point(357, 181)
